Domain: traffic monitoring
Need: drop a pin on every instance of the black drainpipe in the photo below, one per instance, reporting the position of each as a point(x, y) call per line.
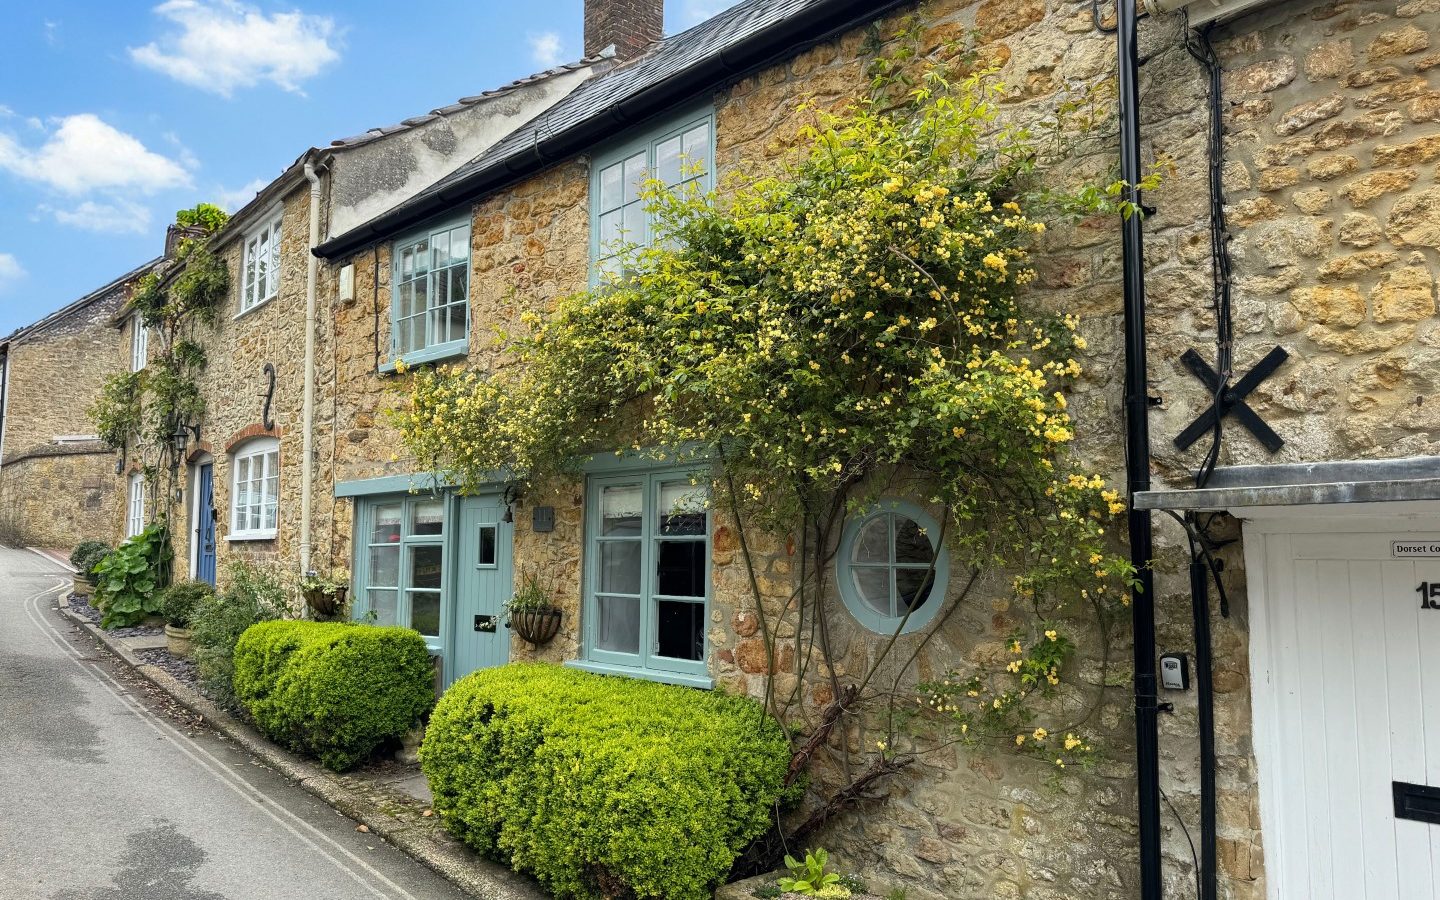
point(1205, 696)
point(1137, 459)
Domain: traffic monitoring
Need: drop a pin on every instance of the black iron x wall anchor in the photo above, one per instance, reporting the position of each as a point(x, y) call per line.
point(1232, 400)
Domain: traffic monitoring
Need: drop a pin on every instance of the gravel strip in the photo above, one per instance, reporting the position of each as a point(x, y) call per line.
point(184, 670)
point(81, 605)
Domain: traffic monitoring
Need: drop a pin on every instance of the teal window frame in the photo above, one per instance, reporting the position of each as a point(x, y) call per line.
point(433, 350)
point(366, 508)
point(845, 564)
point(646, 663)
point(647, 142)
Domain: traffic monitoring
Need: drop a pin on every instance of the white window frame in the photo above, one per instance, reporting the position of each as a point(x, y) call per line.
point(417, 273)
point(135, 506)
point(264, 453)
point(139, 344)
point(261, 252)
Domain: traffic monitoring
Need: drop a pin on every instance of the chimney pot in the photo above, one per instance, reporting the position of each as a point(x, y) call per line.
point(630, 26)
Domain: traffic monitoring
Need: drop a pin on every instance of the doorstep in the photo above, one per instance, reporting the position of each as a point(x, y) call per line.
point(391, 802)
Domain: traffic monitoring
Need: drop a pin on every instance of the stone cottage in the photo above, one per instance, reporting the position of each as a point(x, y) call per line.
point(58, 481)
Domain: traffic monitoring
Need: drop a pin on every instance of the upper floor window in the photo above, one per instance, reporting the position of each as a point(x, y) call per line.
point(261, 280)
point(648, 565)
point(430, 307)
point(680, 155)
point(255, 495)
point(135, 508)
point(139, 344)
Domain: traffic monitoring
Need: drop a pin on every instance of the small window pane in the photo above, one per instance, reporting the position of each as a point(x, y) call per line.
point(425, 567)
point(383, 603)
point(634, 177)
point(440, 250)
point(680, 569)
point(384, 566)
point(428, 517)
point(610, 194)
point(486, 554)
point(457, 322)
point(911, 544)
point(407, 262)
point(425, 613)
point(620, 510)
point(460, 244)
point(611, 224)
point(697, 151)
point(405, 300)
point(873, 586)
point(680, 631)
point(619, 628)
point(873, 543)
point(620, 567)
point(912, 587)
point(422, 257)
point(458, 288)
point(667, 161)
point(682, 508)
point(634, 225)
point(386, 528)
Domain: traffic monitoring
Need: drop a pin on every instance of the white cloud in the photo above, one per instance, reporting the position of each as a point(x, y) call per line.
point(119, 216)
point(10, 270)
point(230, 201)
point(545, 48)
point(221, 45)
point(697, 11)
point(85, 154)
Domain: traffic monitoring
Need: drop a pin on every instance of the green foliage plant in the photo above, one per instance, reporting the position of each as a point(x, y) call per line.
point(85, 555)
point(602, 786)
point(857, 324)
point(251, 594)
point(179, 601)
point(531, 596)
point(130, 579)
point(333, 690)
point(809, 876)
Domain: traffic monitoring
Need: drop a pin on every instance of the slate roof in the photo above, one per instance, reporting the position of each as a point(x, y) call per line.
point(740, 39)
point(70, 309)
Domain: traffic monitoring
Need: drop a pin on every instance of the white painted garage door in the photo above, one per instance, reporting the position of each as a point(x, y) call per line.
point(1346, 655)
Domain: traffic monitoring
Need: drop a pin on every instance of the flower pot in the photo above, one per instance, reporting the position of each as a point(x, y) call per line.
point(325, 605)
point(536, 626)
point(180, 641)
point(82, 586)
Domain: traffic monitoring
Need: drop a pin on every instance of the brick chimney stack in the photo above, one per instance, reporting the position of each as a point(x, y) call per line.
point(629, 25)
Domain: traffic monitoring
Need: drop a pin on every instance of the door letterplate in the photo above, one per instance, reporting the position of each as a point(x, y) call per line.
point(1417, 801)
point(485, 624)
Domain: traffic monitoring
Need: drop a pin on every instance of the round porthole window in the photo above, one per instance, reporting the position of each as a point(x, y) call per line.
point(885, 567)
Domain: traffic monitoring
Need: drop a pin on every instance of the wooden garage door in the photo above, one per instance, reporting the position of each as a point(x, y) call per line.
point(1346, 653)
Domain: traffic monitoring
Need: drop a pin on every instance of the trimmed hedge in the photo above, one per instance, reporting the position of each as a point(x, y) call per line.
point(603, 786)
point(333, 690)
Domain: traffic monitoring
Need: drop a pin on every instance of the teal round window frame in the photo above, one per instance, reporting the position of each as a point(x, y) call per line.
point(861, 610)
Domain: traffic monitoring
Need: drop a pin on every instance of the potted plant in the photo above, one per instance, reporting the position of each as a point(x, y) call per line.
point(531, 613)
point(84, 557)
point(325, 594)
point(178, 605)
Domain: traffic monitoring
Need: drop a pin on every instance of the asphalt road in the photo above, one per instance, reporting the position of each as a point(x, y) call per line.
point(109, 793)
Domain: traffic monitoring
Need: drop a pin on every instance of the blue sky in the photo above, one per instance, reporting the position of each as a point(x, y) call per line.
point(113, 113)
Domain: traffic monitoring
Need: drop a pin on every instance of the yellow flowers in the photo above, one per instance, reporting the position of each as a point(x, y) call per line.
point(1071, 742)
point(995, 261)
point(1040, 734)
point(1051, 635)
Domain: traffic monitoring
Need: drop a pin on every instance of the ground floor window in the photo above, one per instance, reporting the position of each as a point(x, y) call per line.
point(399, 573)
point(891, 570)
point(255, 494)
point(135, 508)
point(647, 571)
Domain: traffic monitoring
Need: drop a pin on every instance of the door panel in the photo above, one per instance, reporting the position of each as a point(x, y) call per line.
point(483, 582)
point(204, 533)
point(1348, 661)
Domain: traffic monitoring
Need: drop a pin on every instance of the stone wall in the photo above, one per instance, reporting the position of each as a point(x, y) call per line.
point(60, 496)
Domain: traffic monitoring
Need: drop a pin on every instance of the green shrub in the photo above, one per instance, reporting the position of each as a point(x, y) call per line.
point(602, 786)
point(131, 576)
point(252, 594)
point(334, 690)
point(179, 600)
point(85, 555)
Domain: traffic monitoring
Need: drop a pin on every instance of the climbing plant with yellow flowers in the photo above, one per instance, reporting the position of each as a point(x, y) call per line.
point(856, 322)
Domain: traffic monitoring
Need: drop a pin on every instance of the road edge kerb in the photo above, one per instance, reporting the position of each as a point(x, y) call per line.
point(475, 876)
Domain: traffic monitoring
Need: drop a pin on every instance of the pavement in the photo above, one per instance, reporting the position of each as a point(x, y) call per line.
point(111, 790)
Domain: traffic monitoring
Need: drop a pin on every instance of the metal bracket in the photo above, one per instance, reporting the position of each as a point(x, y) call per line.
point(269, 395)
point(1233, 399)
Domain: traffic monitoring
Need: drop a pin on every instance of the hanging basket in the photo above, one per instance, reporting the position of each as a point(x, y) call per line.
point(325, 605)
point(536, 626)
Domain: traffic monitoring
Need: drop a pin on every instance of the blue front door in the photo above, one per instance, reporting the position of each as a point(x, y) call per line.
point(205, 524)
point(483, 582)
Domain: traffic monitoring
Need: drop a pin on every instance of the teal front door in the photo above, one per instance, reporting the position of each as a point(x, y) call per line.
point(483, 582)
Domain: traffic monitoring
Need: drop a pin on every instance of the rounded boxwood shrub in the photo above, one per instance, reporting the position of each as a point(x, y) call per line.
point(333, 690)
point(603, 786)
point(179, 601)
point(85, 555)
